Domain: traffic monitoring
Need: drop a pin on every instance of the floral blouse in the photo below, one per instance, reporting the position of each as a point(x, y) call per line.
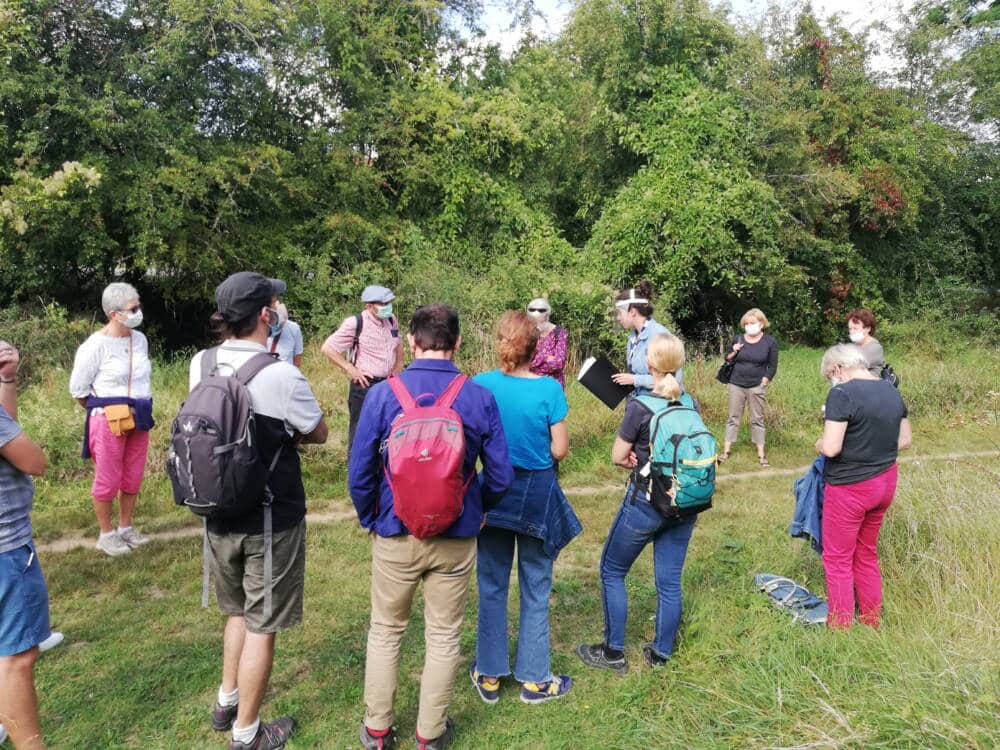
point(550, 354)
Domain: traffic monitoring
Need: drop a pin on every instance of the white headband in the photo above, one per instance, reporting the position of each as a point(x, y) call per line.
point(632, 300)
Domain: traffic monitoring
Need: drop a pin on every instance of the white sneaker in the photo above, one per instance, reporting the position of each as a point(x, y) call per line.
point(113, 545)
point(3, 734)
point(51, 642)
point(132, 537)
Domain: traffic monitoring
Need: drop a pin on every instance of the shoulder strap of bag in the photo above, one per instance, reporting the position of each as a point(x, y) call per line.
point(402, 393)
point(209, 359)
point(254, 365)
point(269, 537)
point(359, 323)
point(447, 398)
point(130, 337)
point(274, 342)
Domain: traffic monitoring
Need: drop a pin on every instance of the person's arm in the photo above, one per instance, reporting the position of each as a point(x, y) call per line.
point(340, 341)
point(498, 473)
point(364, 470)
point(559, 440)
point(622, 453)
point(318, 435)
point(397, 366)
point(772, 361)
point(832, 440)
point(734, 348)
point(642, 381)
point(24, 455)
point(10, 361)
point(86, 365)
point(303, 414)
point(905, 435)
point(297, 360)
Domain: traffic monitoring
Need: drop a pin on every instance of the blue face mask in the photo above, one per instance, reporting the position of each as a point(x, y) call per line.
point(274, 327)
point(384, 312)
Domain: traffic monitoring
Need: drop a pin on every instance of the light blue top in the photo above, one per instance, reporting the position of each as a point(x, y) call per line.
point(17, 492)
point(638, 342)
point(290, 343)
point(528, 407)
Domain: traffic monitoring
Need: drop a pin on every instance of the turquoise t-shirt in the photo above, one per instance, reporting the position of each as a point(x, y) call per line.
point(528, 406)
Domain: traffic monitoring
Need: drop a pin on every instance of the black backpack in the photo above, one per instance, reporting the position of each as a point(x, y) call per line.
point(214, 467)
point(889, 375)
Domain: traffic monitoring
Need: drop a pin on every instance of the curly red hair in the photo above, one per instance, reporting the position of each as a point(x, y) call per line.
point(516, 338)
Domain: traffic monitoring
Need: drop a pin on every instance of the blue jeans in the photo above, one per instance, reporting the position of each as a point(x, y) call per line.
point(636, 525)
point(24, 601)
point(534, 575)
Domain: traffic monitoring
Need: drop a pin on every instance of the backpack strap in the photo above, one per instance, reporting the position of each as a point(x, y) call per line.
point(209, 360)
point(448, 396)
point(206, 573)
point(402, 393)
point(255, 364)
point(359, 323)
point(269, 537)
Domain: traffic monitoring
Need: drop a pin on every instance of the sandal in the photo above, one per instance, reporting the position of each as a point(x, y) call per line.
point(763, 462)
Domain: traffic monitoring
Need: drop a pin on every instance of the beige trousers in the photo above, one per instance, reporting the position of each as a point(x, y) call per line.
point(399, 564)
point(740, 398)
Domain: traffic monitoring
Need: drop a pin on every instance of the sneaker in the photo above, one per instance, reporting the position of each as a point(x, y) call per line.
point(270, 736)
point(652, 658)
point(133, 538)
point(438, 743)
point(370, 742)
point(112, 545)
point(224, 716)
point(593, 656)
point(3, 734)
point(539, 692)
point(54, 639)
point(488, 691)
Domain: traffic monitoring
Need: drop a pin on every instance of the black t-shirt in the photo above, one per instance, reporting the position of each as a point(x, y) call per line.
point(873, 410)
point(635, 429)
point(754, 362)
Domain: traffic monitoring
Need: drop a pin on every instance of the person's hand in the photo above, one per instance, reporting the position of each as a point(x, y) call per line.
point(10, 360)
point(633, 460)
point(764, 382)
point(623, 378)
point(737, 346)
point(359, 377)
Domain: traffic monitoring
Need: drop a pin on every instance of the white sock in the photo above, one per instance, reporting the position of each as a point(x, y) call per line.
point(106, 534)
point(228, 699)
point(124, 528)
point(246, 735)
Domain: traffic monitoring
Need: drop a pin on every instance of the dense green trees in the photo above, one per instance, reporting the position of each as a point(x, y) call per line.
point(344, 141)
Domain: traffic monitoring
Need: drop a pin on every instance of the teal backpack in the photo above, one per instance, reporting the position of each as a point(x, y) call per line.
point(683, 450)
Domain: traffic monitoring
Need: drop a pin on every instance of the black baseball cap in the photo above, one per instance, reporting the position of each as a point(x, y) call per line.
point(243, 294)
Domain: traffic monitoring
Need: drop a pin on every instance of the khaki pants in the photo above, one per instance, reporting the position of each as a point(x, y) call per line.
point(399, 564)
point(739, 398)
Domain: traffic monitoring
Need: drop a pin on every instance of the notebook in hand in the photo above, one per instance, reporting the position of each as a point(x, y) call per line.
point(595, 376)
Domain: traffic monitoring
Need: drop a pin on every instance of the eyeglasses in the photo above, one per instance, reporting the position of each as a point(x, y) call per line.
point(538, 309)
point(131, 310)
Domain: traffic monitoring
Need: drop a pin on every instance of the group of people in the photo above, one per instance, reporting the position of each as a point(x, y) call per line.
point(514, 424)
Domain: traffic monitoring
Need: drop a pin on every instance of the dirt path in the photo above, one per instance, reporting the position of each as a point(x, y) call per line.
point(66, 544)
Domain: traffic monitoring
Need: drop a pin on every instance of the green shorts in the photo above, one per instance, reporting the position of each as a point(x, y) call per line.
point(238, 568)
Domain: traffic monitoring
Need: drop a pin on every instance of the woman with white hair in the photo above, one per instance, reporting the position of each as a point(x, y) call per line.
point(865, 427)
point(111, 379)
point(553, 342)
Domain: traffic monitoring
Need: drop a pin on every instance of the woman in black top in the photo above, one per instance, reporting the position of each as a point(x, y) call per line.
point(866, 426)
point(754, 355)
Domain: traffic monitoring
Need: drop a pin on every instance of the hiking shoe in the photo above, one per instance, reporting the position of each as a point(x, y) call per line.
point(112, 545)
point(539, 692)
point(438, 743)
point(223, 716)
point(370, 742)
point(270, 736)
point(488, 691)
point(593, 656)
point(652, 658)
point(133, 538)
point(54, 639)
point(3, 734)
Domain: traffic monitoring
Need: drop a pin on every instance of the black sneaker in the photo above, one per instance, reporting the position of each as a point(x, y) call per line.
point(270, 736)
point(652, 658)
point(223, 717)
point(370, 742)
point(438, 743)
point(593, 656)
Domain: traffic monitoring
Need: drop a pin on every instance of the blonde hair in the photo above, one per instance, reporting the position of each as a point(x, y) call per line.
point(755, 312)
point(516, 338)
point(847, 356)
point(666, 354)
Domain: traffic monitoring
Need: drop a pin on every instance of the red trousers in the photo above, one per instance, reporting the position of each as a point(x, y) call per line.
point(852, 518)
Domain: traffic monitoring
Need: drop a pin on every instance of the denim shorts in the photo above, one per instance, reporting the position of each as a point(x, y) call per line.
point(24, 601)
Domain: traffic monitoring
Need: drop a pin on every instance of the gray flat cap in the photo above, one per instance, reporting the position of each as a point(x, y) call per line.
point(377, 294)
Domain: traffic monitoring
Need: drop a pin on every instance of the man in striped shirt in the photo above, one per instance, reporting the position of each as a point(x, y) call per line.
point(367, 347)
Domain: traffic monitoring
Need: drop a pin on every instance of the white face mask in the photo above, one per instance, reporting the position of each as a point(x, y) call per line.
point(752, 329)
point(856, 337)
point(132, 320)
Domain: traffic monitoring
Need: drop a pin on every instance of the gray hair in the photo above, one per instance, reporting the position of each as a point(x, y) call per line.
point(116, 294)
point(847, 356)
point(540, 302)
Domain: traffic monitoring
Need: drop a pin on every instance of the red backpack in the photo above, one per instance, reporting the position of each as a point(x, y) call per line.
point(424, 456)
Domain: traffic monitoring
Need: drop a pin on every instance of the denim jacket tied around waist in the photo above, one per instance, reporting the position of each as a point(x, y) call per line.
point(536, 506)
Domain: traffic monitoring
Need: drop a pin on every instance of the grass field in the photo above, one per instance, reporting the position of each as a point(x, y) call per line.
point(141, 662)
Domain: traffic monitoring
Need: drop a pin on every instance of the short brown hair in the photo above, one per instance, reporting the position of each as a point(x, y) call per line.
point(864, 317)
point(516, 338)
point(435, 328)
point(642, 290)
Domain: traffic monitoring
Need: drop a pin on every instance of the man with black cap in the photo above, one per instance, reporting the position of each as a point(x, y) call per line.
point(373, 347)
point(285, 414)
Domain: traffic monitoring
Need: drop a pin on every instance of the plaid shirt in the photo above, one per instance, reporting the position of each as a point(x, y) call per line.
point(377, 345)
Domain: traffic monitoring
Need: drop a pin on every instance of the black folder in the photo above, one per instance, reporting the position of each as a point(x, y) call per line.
point(595, 376)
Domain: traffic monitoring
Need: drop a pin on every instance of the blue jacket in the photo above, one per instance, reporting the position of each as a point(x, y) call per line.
point(536, 506)
point(638, 343)
point(807, 523)
point(484, 439)
point(142, 412)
